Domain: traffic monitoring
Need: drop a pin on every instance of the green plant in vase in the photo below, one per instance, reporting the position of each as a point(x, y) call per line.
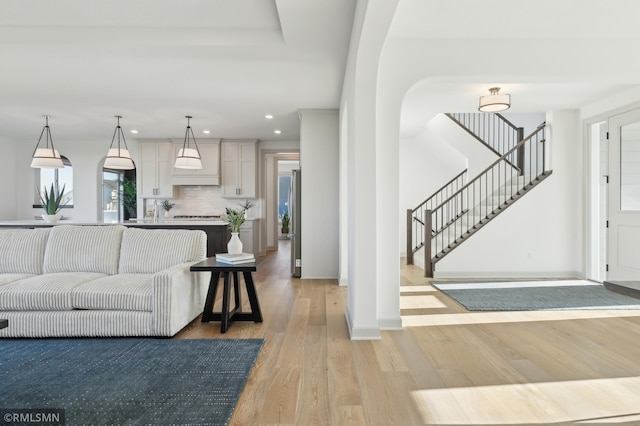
point(167, 206)
point(235, 219)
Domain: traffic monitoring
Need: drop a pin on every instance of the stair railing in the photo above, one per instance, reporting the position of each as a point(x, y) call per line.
point(493, 130)
point(483, 198)
point(415, 224)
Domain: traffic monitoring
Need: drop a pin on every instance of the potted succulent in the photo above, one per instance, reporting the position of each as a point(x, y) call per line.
point(51, 202)
point(235, 219)
point(285, 223)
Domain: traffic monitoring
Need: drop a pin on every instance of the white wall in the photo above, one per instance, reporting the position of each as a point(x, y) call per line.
point(86, 158)
point(541, 235)
point(320, 170)
point(427, 163)
point(529, 122)
point(371, 173)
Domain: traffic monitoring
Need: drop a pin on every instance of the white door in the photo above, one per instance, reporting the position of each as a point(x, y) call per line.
point(624, 197)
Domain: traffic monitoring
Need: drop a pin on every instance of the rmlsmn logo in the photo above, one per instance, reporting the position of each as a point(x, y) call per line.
point(33, 416)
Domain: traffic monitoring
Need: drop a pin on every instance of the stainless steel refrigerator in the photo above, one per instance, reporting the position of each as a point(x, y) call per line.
point(294, 207)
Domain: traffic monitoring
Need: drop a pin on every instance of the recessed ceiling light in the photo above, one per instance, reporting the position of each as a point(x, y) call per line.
point(206, 132)
point(277, 132)
point(268, 116)
point(134, 131)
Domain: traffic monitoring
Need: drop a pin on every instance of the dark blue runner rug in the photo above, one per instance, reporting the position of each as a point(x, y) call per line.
point(124, 381)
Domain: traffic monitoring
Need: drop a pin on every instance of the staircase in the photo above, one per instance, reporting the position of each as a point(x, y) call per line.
point(458, 210)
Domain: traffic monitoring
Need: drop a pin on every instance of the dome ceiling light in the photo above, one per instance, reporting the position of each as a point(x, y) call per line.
point(494, 102)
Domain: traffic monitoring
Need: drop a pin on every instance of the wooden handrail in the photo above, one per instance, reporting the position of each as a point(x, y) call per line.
point(481, 174)
point(443, 187)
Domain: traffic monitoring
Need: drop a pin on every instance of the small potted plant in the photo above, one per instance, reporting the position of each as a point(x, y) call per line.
point(51, 202)
point(167, 206)
point(246, 206)
point(285, 223)
point(235, 219)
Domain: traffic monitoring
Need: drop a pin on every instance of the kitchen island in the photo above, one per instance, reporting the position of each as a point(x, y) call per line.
point(217, 230)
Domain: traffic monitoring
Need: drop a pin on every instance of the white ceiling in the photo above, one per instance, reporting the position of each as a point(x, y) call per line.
point(547, 54)
point(225, 62)
point(229, 62)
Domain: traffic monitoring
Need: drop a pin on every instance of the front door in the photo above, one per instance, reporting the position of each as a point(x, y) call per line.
point(624, 197)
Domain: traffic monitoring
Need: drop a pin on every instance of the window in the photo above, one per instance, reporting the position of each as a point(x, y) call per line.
point(62, 177)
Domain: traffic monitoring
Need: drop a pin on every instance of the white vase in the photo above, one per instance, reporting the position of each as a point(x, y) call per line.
point(51, 218)
point(234, 246)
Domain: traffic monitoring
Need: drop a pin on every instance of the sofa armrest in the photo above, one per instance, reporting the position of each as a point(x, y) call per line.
point(178, 297)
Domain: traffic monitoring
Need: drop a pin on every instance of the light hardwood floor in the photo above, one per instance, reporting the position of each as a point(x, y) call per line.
point(446, 367)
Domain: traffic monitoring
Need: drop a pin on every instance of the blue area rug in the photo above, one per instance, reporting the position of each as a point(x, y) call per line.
point(534, 295)
point(124, 381)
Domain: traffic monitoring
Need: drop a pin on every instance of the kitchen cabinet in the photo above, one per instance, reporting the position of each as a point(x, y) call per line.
point(249, 236)
point(239, 168)
point(209, 174)
point(154, 169)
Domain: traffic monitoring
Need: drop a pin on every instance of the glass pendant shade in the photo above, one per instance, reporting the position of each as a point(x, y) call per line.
point(189, 155)
point(118, 157)
point(494, 102)
point(47, 156)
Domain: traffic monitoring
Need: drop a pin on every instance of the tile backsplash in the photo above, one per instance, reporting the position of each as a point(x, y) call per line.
point(202, 201)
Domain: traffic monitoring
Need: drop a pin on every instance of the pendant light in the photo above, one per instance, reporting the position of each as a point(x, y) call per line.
point(47, 156)
point(494, 102)
point(118, 158)
point(189, 155)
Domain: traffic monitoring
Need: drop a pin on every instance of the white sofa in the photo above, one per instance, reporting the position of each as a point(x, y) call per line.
point(100, 281)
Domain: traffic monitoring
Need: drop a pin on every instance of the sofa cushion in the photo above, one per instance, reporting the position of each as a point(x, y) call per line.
point(124, 292)
point(52, 292)
point(22, 250)
point(9, 278)
point(83, 249)
point(147, 251)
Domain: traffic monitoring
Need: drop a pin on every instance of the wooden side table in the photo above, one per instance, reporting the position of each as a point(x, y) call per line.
point(229, 272)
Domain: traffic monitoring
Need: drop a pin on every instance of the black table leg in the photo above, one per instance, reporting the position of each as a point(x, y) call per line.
point(253, 297)
point(207, 313)
point(224, 320)
point(236, 291)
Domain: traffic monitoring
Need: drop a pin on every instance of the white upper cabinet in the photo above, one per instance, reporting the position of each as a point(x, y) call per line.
point(154, 172)
point(239, 168)
point(210, 172)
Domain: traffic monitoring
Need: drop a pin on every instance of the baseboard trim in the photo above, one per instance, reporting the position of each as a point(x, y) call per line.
point(390, 323)
point(343, 282)
point(361, 333)
point(509, 274)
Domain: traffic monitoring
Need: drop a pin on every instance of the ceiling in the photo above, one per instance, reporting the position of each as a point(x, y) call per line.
point(227, 63)
point(548, 54)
